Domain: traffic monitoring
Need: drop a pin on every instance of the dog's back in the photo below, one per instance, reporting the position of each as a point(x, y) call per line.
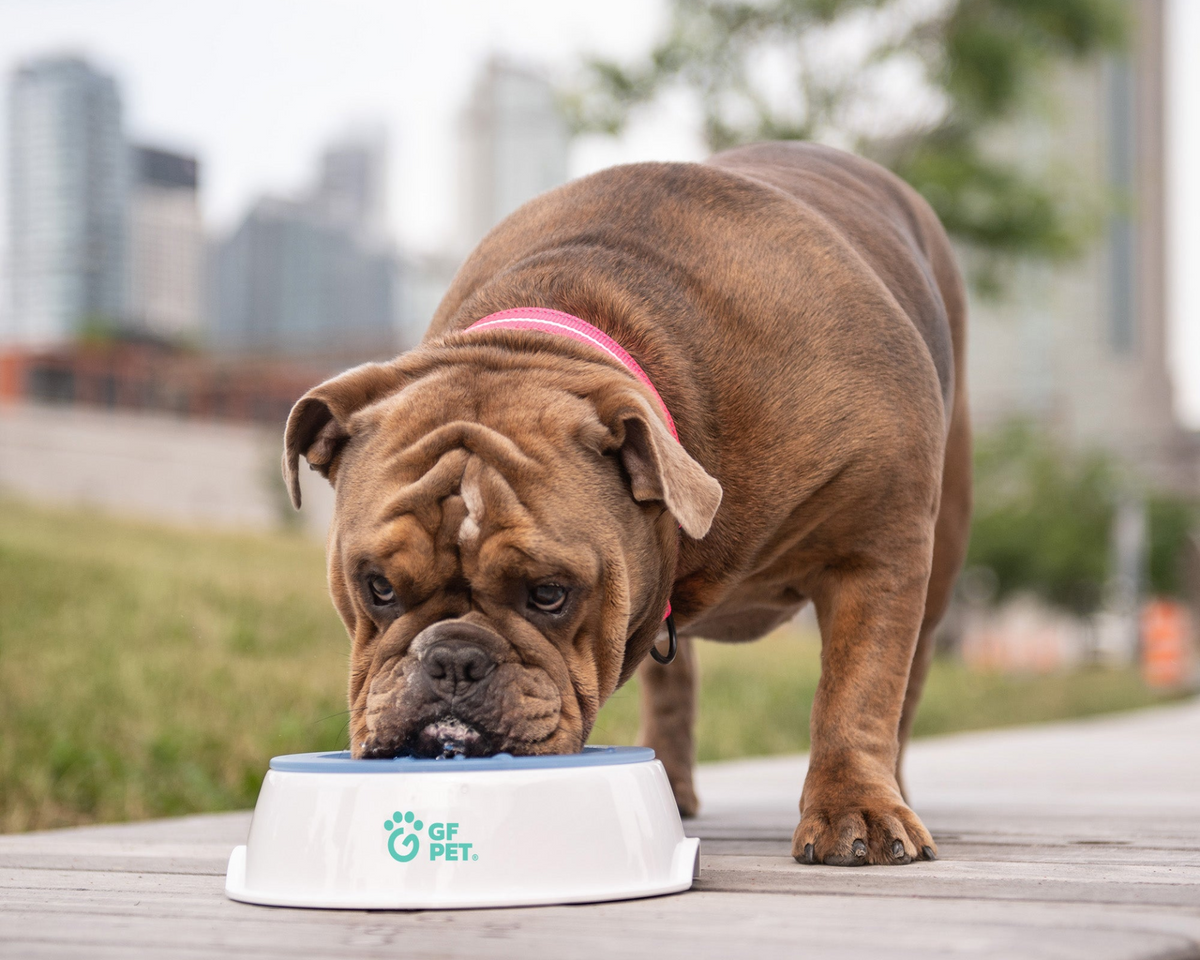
point(886, 222)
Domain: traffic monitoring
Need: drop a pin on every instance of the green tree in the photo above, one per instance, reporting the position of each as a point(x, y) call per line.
point(1043, 521)
point(818, 69)
point(1171, 520)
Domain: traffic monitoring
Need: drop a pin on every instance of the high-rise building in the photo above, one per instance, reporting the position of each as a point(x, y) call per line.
point(291, 280)
point(514, 141)
point(352, 185)
point(166, 243)
point(317, 275)
point(67, 189)
point(1082, 347)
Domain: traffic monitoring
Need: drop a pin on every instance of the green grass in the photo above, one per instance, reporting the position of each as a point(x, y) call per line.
point(147, 671)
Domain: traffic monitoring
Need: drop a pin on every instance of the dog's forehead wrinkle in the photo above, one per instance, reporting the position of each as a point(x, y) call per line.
point(422, 492)
point(476, 438)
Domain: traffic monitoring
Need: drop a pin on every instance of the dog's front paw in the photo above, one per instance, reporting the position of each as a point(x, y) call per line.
point(853, 826)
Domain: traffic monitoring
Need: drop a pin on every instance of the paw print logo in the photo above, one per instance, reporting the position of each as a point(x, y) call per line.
point(411, 842)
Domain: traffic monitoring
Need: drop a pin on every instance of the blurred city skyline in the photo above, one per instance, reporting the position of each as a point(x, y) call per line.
point(259, 116)
point(201, 80)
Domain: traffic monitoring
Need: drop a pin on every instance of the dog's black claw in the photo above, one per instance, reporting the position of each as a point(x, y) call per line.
point(810, 855)
point(897, 850)
point(928, 854)
point(859, 849)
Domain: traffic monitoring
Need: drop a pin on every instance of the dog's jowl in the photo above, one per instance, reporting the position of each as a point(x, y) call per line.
point(721, 390)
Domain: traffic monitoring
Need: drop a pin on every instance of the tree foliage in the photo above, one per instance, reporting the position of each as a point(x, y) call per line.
point(1043, 521)
point(919, 85)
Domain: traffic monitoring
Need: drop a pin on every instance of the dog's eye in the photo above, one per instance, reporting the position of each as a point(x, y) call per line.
point(381, 591)
point(548, 597)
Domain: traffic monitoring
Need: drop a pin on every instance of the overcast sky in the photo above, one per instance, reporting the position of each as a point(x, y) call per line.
point(255, 88)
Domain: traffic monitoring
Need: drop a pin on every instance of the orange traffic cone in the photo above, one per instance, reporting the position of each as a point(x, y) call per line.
point(1166, 644)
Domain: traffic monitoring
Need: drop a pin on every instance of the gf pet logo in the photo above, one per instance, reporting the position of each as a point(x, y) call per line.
point(405, 828)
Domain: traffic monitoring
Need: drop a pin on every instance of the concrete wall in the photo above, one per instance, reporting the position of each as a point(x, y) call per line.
point(154, 467)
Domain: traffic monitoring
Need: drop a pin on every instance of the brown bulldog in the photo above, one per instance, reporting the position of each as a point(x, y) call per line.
point(513, 514)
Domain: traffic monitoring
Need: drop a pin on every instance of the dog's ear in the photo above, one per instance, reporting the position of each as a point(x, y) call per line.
point(659, 467)
point(319, 424)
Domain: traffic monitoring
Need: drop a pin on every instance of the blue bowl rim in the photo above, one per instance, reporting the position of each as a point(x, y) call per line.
point(341, 762)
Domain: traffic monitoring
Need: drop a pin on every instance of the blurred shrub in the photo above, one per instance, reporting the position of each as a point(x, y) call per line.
point(1171, 520)
point(1043, 521)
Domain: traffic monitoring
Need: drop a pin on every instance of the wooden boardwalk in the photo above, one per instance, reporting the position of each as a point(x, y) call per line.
point(1073, 840)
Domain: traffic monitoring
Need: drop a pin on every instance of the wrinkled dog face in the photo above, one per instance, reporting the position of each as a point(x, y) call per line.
point(498, 552)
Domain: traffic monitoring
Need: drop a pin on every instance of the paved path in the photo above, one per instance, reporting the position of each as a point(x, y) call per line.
point(1073, 840)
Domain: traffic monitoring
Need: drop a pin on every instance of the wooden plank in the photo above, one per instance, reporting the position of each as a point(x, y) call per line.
point(205, 829)
point(157, 903)
point(988, 851)
point(948, 880)
point(668, 927)
point(207, 866)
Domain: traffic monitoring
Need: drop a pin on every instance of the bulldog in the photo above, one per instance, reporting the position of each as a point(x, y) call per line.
point(515, 512)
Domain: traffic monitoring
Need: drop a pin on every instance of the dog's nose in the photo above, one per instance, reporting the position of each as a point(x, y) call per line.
point(455, 666)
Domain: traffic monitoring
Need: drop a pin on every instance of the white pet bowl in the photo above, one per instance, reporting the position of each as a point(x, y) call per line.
point(329, 831)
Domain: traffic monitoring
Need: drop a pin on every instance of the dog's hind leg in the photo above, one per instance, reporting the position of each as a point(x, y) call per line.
point(949, 549)
point(917, 673)
point(669, 717)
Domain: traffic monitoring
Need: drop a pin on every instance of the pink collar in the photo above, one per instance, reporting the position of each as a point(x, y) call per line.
point(566, 325)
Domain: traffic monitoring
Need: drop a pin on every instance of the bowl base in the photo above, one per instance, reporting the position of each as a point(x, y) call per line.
point(684, 869)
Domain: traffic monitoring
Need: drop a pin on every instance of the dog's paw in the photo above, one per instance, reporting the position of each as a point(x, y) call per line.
point(685, 797)
point(851, 834)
